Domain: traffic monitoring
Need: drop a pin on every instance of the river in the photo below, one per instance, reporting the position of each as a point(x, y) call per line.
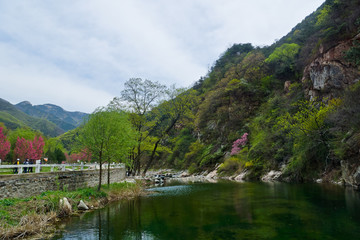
point(226, 211)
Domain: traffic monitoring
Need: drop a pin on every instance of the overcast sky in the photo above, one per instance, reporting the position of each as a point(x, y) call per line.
point(78, 53)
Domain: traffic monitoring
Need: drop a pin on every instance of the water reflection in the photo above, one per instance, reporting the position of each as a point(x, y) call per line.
point(226, 211)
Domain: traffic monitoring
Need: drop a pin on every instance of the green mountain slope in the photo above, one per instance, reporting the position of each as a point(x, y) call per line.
point(290, 98)
point(14, 118)
point(55, 114)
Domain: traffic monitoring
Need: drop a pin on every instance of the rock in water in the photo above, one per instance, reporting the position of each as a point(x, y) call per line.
point(271, 176)
point(356, 176)
point(82, 206)
point(65, 207)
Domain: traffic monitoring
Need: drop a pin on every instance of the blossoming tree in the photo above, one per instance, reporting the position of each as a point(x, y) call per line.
point(4, 145)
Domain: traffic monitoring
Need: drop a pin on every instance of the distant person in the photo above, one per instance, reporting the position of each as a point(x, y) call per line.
point(17, 163)
point(26, 163)
point(31, 163)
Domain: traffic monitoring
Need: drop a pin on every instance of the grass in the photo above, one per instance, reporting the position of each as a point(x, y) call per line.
point(35, 215)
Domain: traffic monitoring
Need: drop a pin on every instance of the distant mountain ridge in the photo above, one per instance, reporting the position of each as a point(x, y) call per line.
point(13, 118)
point(65, 120)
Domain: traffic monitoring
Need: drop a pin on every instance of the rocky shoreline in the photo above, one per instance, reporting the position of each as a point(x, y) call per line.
point(349, 176)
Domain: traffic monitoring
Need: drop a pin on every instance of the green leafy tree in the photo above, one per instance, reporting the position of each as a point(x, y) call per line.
point(283, 59)
point(59, 155)
point(54, 150)
point(323, 15)
point(107, 135)
point(140, 97)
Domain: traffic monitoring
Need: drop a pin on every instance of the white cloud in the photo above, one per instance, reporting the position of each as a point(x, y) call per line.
point(78, 54)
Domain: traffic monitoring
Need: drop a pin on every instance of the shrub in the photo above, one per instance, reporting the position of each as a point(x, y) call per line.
point(230, 165)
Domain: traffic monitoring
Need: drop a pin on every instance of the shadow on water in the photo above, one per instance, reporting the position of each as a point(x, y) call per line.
point(226, 211)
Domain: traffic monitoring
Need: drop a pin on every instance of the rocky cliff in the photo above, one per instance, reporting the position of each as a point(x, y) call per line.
point(330, 74)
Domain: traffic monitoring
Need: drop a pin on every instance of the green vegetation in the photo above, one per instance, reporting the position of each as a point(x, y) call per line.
point(244, 93)
point(353, 54)
point(35, 214)
point(107, 136)
point(14, 118)
point(260, 92)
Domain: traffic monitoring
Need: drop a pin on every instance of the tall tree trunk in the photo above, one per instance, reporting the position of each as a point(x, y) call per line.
point(137, 161)
point(151, 158)
point(157, 143)
point(100, 174)
point(108, 176)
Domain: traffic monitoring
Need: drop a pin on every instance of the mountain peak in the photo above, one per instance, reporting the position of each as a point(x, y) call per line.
point(24, 103)
point(64, 119)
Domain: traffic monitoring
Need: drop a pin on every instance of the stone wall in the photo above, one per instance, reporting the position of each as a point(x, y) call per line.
point(25, 185)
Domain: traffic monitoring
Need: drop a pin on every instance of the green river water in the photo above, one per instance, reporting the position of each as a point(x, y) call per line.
point(226, 211)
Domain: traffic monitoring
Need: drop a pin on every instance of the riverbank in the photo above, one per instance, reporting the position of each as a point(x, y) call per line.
point(342, 177)
point(36, 216)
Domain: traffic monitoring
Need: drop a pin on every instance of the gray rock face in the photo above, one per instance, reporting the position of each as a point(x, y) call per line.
point(82, 206)
point(356, 176)
point(329, 74)
point(350, 174)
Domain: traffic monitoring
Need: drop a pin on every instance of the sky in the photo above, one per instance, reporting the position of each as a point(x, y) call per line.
point(78, 54)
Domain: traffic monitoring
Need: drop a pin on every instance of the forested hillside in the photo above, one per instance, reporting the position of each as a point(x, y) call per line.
point(63, 119)
point(13, 118)
point(292, 106)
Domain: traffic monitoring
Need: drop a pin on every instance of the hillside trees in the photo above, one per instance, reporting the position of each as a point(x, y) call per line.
point(177, 107)
point(244, 93)
point(234, 99)
point(346, 122)
point(107, 135)
point(54, 150)
point(310, 131)
point(283, 60)
point(231, 57)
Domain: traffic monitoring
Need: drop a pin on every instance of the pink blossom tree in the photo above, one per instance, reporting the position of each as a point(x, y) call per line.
point(84, 155)
point(23, 148)
point(29, 149)
point(238, 144)
point(4, 145)
point(38, 147)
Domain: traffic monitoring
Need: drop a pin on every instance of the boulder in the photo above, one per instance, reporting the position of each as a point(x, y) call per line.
point(82, 206)
point(65, 207)
point(212, 175)
point(287, 86)
point(241, 177)
point(184, 174)
point(319, 180)
point(350, 173)
point(271, 176)
point(356, 176)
